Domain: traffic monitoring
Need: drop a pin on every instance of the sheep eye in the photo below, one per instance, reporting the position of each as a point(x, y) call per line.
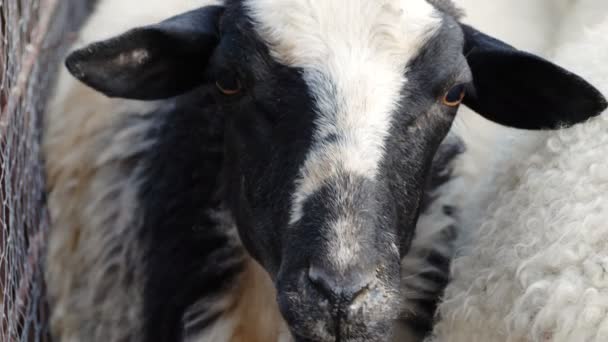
point(454, 96)
point(228, 85)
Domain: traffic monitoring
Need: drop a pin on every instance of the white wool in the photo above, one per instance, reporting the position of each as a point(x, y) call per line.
point(535, 21)
point(578, 16)
point(536, 268)
point(113, 17)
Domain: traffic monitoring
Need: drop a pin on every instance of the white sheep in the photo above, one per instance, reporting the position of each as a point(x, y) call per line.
point(535, 267)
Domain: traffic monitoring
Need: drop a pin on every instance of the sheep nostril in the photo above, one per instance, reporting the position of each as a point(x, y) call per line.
point(353, 286)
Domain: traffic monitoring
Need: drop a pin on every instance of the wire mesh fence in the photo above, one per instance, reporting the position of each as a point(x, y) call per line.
point(34, 36)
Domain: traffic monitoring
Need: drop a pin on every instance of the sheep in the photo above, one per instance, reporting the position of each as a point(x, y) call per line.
point(89, 195)
point(268, 184)
point(533, 268)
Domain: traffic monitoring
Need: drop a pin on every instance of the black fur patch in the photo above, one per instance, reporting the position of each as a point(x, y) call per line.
point(190, 256)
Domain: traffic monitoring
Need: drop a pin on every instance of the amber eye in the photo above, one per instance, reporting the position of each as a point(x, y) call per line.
point(454, 96)
point(228, 85)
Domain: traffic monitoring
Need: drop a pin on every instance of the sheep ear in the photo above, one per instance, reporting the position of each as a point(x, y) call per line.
point(518, 89)
point(151, 62)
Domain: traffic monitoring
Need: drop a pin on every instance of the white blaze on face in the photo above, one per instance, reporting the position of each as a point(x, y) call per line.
point(353, 54)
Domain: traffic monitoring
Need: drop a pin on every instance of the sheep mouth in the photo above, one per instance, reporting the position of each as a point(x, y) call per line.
point(345, 330)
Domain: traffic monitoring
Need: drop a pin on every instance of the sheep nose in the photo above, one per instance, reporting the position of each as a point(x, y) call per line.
point(340, 286)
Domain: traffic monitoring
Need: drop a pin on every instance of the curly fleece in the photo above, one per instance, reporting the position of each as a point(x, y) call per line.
point(536, 269)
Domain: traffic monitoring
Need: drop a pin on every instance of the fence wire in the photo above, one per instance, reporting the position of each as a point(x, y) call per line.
point(34, 37)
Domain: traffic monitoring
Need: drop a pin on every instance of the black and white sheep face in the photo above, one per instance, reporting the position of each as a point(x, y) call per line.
point(333, 112)
point(329, 142)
